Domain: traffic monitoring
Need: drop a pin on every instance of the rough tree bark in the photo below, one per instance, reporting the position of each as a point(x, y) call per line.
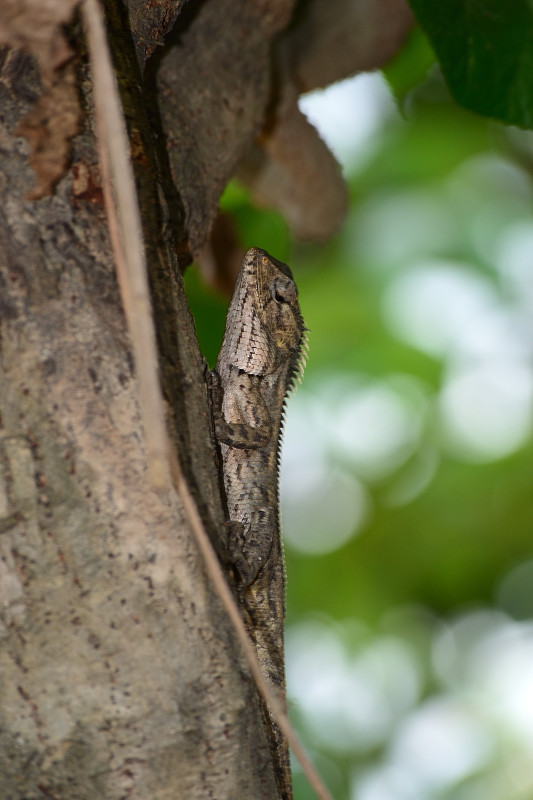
point(120, 674)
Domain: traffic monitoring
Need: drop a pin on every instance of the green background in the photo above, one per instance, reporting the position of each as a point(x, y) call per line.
point(410, 643)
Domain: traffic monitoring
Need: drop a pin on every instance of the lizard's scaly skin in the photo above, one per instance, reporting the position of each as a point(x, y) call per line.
point(260, 358)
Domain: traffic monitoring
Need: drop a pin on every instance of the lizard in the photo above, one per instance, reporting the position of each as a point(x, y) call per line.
point(261, 357)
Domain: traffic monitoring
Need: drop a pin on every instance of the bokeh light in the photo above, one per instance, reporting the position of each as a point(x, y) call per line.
point(442, 708)
point(406, 468)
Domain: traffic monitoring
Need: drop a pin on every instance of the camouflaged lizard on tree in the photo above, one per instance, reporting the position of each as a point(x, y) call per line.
point(261, 357)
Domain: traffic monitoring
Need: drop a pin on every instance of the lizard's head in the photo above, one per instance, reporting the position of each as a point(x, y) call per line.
point(273, 330)
point(278, 305)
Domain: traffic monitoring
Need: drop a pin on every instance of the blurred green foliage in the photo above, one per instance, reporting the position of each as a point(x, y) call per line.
point(486, 52)
point(446, 550)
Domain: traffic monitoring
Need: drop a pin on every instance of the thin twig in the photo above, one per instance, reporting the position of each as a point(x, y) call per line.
point(126, 238)
point(125, 225)
point(220, 583)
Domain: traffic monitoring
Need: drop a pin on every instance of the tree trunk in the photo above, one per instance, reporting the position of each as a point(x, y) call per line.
point(120, 674)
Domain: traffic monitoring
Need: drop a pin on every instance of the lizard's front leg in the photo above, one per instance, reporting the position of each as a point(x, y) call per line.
point(243, 428)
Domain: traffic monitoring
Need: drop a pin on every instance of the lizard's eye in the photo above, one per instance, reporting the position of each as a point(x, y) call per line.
point(284, 291)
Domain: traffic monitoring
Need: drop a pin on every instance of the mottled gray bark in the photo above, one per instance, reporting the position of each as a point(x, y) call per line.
point(120, 676)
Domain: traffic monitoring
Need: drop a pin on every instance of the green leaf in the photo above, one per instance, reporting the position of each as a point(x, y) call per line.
point(485, 48)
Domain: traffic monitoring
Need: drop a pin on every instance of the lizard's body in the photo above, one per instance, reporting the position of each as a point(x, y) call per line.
point(260, 358)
